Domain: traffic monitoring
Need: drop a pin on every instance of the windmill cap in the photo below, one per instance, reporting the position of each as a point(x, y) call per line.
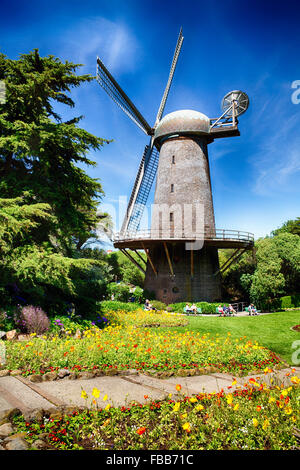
point(183, 121)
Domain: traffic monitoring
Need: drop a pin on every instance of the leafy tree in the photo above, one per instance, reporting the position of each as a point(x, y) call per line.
point(291, 226)
point(40, 153)
point(48, 206)
point(124, 270)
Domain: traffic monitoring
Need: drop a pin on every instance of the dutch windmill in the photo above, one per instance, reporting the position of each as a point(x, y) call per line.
point(176, 155)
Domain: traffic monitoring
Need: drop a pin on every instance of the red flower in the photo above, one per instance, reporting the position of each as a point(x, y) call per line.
point(141, 430)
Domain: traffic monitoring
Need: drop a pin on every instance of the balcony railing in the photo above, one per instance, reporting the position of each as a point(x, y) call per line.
point(218, 234)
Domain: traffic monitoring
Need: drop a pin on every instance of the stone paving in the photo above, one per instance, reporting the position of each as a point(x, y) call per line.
point(19, 392)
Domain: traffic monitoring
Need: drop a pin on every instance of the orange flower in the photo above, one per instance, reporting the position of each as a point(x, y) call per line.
point(258, 408)
point(141, 430)
point(178, 387)
point(146, 396)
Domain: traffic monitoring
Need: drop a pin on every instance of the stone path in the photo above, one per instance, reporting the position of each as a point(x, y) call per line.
point(19, 392)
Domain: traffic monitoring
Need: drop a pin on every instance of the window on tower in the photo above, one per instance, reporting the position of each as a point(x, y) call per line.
point(172, 188)
point(171, 216)
point(173, 159)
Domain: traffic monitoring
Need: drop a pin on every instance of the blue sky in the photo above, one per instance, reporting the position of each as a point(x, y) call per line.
point(233, 44)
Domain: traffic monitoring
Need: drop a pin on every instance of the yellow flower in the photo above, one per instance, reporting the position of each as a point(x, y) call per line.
point(271, 399)
point(84, 394)
point(234, 382)
point(96, 392)
point(193, 400)
point(170, 395)
point(176, 406)
point(236, 407)
point(186, 427)
point(255, 422)
point(266, 424)
point(105, 397)
point(199, 407)
point(288, 410)
point(183, 416)
point(295, 380)
point(229, 399)
point(107, 407)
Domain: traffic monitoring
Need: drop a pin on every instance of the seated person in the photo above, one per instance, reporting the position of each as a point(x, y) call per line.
point(194, 308)
point(220, 310)
point(225, 310)
point(231, 309)
point(188, 308)
point(254, 311)
point(147, 305)
point(250, 309)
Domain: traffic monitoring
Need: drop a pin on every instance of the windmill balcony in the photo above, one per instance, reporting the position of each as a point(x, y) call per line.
point(220, 238)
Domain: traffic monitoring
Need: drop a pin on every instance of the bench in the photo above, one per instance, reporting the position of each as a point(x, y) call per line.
point(192, 313)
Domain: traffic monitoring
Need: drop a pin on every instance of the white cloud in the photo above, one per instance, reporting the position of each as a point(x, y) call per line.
point(113, 42)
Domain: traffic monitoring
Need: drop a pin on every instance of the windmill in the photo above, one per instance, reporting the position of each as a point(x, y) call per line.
point(182, 259)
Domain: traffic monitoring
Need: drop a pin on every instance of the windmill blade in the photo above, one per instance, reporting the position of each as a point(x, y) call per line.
point(171, 74)
point(141, 189)
point(113, 89)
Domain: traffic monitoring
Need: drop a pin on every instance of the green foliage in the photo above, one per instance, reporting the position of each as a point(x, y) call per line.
point(124, 270)
point(206, 307)
point(39, 152)
point(48, 205)
point(112, 305)
point(291, 226)
point(158, 305)
point(290, 301)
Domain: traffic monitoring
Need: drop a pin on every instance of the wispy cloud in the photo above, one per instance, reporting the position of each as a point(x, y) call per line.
point(113, 42)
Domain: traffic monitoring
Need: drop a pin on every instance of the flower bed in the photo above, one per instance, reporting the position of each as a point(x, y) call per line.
point(254, 417)
point(139, 348)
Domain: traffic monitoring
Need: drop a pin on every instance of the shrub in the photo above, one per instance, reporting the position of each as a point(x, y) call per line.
point(32, 320)
point(120, 291)
point(286, 302)
point(114, 305)
point(158, 305)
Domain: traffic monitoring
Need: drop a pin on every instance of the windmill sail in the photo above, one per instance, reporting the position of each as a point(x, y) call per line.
point(141, 189)
point(171, 74)
point(113, 89)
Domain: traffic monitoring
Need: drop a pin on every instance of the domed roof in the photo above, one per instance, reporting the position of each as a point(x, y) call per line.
point(183, 121)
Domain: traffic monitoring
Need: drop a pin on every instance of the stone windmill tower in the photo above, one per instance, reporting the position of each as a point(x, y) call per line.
point(182, 244)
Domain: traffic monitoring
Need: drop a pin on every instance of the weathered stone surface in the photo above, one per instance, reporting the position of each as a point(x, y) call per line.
point(111, 372)
point(2, 334)
point(77, 334)
point(16, 372)
point(49, 376)
point(24, 337)
point(12, 334)
point(7, 415)
point(5, 430)
point(35, 378)
point(17, 435)
point(85, 375)
point(39, 444)
point(17, 444)
point(34, 415)
point(4, 372)
point(63, 373)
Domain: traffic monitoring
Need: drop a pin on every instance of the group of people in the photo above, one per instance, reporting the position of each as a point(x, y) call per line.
point(225, 311)
point(252, 310)
point(148, 306)
point(191, 309)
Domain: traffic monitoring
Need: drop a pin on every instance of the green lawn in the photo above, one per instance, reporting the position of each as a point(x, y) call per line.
point(272, 330)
